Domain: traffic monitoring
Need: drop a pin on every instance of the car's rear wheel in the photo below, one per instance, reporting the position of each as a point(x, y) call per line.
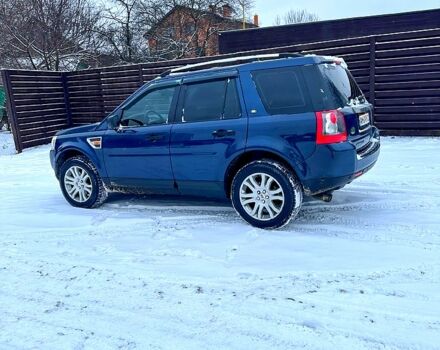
point(81, 184)
point(266, 194)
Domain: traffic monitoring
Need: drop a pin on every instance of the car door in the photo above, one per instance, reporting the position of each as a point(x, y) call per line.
point(137, 153)
point(209, 131)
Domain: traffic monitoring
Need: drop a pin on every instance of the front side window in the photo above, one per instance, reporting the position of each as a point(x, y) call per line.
point(151, 109)
point(281, 90)
point(211, 100)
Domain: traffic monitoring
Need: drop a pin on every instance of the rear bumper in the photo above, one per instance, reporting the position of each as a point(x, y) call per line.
point(333, 166)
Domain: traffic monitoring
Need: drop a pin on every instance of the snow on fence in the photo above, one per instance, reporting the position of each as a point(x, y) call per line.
point(399, 72)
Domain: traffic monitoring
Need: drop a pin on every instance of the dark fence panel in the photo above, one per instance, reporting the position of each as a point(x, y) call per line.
point(261, 38)
point(36, 106)
point(407, 81)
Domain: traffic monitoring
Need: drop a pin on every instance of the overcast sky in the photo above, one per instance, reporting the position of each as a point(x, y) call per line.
point(331, 9)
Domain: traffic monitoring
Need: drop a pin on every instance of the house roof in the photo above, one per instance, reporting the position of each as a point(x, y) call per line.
point(206, 12)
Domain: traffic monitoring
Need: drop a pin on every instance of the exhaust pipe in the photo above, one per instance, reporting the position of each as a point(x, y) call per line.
point(325, 197)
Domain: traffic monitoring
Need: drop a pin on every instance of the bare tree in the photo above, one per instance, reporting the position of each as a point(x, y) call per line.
point(296, 16)
point(47, 34)
point(66, 34)
point(245, 6)
point(122, 28)
point(193, 29)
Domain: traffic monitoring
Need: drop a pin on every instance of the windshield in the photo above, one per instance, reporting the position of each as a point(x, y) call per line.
point(342, 83)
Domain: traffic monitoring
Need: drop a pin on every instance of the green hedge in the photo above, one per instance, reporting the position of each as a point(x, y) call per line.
point(2, 102)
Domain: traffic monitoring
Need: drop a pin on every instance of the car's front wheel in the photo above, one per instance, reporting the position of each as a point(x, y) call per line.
point(266, 194)
point(81, 184)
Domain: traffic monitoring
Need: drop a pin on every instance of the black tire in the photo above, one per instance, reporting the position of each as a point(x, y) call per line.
point(285, 179)
point(98, 192)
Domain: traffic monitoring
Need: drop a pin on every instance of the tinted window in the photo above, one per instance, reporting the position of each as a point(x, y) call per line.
point(320, 91)
point(341, 82)
point(212, 100)
point(232, 103)
point(331, 86)
point(152, 108)
point(281, 90)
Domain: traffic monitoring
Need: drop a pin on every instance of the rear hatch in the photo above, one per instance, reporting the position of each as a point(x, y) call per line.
point(333, 87)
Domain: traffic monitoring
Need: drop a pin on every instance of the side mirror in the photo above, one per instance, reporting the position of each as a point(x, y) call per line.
point(113, 120)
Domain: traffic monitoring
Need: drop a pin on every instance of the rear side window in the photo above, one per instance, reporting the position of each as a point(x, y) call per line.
point(282, 90)
point(211, 100)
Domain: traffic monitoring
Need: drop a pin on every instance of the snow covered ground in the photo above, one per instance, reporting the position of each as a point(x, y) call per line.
point(362, 272)
point(6, 143)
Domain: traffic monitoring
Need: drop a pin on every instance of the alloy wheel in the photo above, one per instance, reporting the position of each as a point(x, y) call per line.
point(262, 196)
point(78, 184)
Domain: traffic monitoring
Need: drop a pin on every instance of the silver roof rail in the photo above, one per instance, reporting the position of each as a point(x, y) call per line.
point(228, 62)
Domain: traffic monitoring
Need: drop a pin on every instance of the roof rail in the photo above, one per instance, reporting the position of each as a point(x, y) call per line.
point(229, 61)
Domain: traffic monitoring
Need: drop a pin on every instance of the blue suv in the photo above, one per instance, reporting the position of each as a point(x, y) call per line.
point(261, 130)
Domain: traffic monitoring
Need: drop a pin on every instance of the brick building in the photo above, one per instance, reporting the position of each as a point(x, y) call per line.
point(186, 32)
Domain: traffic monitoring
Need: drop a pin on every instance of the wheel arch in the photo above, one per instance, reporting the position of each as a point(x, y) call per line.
point(249, 156)
point(69, 152)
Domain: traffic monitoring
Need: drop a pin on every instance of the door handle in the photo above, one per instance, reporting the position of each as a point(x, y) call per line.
point(154, 137)
point(223, 133)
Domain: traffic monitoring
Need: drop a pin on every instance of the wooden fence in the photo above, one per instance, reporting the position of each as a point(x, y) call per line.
point(399, 73)
point(40, 103)
point(36, 105)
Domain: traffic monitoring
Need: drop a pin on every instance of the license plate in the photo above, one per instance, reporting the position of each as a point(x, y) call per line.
point(364, 119)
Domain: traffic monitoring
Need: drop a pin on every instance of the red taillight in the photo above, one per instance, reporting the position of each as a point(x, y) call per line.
point(330, 127)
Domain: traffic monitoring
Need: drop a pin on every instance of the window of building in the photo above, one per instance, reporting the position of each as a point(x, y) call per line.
point(169, 32)
point(189, 29)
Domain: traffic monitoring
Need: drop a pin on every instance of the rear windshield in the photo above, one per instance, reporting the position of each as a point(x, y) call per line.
point(342, 82)
point(332, 86)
